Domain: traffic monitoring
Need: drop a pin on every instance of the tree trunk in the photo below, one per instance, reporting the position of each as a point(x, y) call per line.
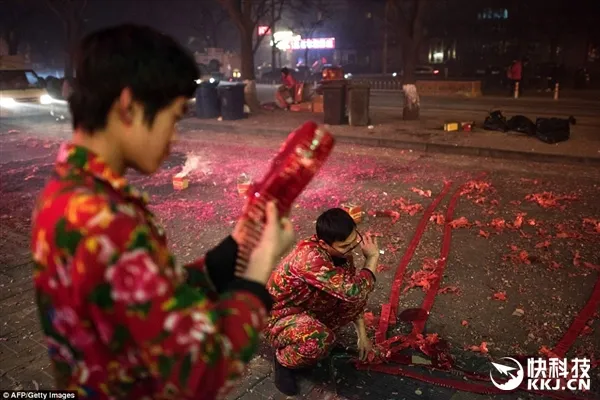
point(12, 40)
point(248, 75)
point(412, 104)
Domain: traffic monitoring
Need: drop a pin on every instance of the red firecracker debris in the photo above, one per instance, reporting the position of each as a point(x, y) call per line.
point(424, 277)
point(591, 266)
point(576, 258)
point(531, 222)
point(593, 223)
point(484, 234)
point(587, 330)
point(519, 221)
point(371, 321)
point(407, 207)
point(382, 268)
point(420, 192)
point(498, 224)
point(395, 215)
point(461, 222)
point(464, 322)
point(554, 265)
point(549, 199)
point(545, 244)
point(546, 352)
point(482, 348)
point(449, 290)
point(501, 296)
point(438, 218)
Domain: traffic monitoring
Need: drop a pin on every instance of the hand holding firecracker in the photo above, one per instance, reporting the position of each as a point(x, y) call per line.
point(292, 169)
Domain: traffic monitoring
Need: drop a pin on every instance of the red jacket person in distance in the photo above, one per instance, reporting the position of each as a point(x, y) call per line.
point(317, 290)
point(121, 319)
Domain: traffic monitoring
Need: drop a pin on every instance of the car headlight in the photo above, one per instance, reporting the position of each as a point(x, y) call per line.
point(7, 102)
point(46, 99)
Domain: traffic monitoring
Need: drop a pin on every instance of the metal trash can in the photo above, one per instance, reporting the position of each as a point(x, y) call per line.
point(358, 104)
point(232, 101)
point(334, 102)
point(207, 101)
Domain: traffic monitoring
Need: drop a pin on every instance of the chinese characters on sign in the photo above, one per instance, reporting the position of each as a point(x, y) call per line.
point(558, 374)
point(316, 43)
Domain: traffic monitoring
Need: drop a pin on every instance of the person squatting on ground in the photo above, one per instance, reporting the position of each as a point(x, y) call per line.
point(286, 92)
point(121, 319)
point(316, 291)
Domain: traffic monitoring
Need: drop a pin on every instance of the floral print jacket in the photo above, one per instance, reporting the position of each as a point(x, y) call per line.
point(310, 280)
point(121, 319)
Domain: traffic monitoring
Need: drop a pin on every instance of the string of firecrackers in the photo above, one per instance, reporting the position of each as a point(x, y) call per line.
point(430, 344)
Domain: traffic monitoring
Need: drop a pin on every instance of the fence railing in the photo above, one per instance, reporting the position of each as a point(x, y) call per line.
point(375, 85)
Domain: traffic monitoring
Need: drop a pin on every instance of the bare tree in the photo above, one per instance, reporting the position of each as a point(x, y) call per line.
point(70, 13)
point(309, 17)
point(407, 16)
point(208, 21)
point(246, 15)
point(14, 13)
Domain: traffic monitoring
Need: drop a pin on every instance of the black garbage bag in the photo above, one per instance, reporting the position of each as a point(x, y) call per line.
point(495, 122)
point(553, 130)
point(522, 124)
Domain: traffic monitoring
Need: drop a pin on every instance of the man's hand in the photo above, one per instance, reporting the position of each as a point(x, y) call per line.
point(364, 347)
point(277, 238)
point(369, 247)
point(364, 343)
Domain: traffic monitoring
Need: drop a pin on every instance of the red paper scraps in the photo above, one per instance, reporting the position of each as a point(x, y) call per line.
point(498, 224)
point(424, 277)
point(482, 348)
point(501, 296)
point(438, 218)
point(383, 268)
point(593, 223)
point(549, 199)
point(545, 244)
point(407, 207)
point(420, 192)
point(449, 290)
point(484, 234)
point(461, 222)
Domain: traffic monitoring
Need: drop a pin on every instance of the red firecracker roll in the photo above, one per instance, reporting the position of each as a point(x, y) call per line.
point(299, 159)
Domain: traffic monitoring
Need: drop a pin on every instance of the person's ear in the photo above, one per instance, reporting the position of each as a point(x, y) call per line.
point(125, 107)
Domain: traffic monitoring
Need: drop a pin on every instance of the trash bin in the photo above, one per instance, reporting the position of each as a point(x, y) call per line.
point(232, 101)
point(334, 102)
point(207, 101)
point(358, 105)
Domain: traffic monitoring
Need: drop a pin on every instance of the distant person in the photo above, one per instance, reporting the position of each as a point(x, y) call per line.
point(286, 92)
point(515, 75)
point(121, 319)
point(317, 290)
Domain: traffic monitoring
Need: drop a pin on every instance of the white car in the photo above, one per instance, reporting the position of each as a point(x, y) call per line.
point(22, 94)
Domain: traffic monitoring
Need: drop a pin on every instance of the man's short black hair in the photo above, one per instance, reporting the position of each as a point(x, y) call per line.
point(153, 65)
point(285, 71)
point(334, 225)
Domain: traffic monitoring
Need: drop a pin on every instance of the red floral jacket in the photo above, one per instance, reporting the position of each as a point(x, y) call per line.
point(121, 319)
point(308, 279)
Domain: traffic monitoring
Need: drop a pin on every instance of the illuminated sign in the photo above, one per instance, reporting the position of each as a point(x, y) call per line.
point(263, 30)
point(316, 43)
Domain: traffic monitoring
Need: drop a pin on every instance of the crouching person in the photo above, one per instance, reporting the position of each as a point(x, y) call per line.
point(316, 291)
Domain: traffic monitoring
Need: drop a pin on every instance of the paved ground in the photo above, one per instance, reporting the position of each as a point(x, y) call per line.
point(546, 266)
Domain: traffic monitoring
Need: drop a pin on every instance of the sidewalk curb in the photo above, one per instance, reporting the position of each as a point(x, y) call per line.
point(426, 147)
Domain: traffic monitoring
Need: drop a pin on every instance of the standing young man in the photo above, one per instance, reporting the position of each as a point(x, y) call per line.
point(121, 319)
point(317, 291)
